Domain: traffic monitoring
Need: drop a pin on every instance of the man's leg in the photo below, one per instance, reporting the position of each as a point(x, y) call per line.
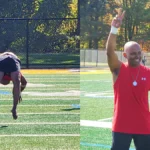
point(121, 141)
point(142, 142)
point(1, 76)
point(15, 76)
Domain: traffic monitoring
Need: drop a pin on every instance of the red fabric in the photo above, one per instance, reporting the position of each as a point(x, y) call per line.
point(131, 108)
point(7, 77)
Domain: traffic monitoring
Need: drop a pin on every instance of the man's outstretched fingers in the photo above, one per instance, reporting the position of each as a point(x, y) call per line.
point(120, 14)
point(123, 14)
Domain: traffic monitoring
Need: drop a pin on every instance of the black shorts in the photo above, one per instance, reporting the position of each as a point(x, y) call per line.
point(9, 65)
point(122, 141)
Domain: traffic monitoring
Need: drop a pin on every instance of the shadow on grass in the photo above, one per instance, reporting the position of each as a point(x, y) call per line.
point(4, 126)
point(70, 109)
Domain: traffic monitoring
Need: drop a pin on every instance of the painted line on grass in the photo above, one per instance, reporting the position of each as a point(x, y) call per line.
point(40, 105)
point(42, 113)
point(104, 119)
point(37, 135)
point(95, 72)
point(98, 124)
point(39, 123)
point(66, 93)
point(98, 145)
point(46, 98)
point(53, 79)
point(109, 81)
point(98, 96)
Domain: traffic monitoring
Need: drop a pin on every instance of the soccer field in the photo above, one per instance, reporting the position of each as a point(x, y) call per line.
point(46, 119)
point(96, 110)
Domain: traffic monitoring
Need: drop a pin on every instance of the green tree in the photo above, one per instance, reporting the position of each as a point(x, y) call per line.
point(135, 17)
point(92, 13)
point(43, 34)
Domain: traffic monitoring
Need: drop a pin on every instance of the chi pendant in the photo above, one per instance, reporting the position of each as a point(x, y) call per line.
point(134, 83)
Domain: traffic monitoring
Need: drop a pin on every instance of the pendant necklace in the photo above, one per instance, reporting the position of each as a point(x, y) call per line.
point(135, 81)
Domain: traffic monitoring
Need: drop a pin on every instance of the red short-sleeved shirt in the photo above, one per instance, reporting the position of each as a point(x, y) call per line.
point(131, 108)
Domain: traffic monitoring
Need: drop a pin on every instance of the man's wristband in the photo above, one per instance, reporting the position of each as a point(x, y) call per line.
point(114, 30)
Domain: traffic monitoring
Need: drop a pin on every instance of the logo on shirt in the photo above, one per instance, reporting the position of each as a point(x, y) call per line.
point(143, 78)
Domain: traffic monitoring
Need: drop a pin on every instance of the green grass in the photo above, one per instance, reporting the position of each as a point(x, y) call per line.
point(41, 109)
point(40, 129)
point(96, 108)
point(42, 115)
point(43, 102)
point(6, 118)
point(39, 143)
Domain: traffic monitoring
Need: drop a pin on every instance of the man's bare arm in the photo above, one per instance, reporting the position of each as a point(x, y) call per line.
point(113, 61)
point(112, 57)
point(23, 83)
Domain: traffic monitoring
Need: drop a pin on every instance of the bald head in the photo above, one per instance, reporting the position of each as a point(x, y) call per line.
point(131, 45)
point(132, 52)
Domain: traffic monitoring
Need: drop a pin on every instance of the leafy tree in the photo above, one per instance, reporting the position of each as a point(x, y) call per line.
point(92, 24)
point(44, 35)
point(133, 20)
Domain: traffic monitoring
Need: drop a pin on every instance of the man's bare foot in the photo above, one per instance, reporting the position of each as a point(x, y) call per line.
point(14, 114)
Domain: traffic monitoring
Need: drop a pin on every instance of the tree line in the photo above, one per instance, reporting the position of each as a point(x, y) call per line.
point(96, 16)
point(51, 31)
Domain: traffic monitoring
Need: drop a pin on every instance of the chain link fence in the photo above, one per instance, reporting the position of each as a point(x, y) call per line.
point(42, 43)
point(98, 58)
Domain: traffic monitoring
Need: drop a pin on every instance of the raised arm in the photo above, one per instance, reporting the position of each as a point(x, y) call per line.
point(112, 58)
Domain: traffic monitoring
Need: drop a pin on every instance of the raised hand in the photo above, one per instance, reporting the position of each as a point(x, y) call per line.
point(117, 21)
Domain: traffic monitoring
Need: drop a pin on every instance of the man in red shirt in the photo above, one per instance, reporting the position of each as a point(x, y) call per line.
point(10, 71)
point(131, 81)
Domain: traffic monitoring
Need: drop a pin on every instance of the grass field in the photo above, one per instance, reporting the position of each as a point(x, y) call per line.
point(96, 110)
point(46, 119)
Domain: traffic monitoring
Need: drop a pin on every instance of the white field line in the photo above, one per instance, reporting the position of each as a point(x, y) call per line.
point(95, 81)
point(42, 113)
point(37, 85)
point(45, 98)
point(66, 93)
point(50, 89)
point(39, 123)
point(105, 119)
point(99, 93)
point(38, 135)
point(36, 78)
point(58, 81)
point(38, 105)
point(98, 124)
point(61, 82)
